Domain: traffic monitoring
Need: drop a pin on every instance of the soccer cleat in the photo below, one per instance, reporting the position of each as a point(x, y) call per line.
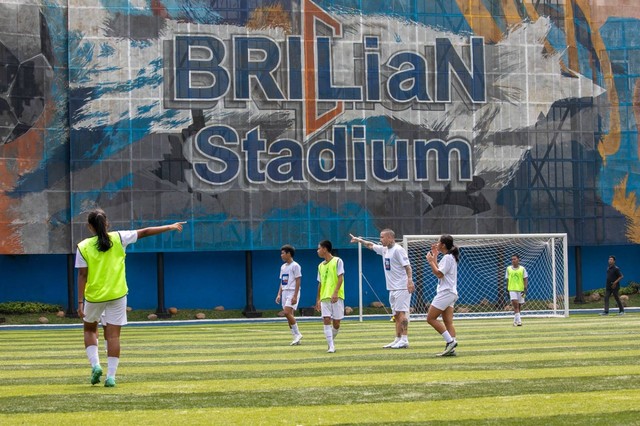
point(519, 323)
point(390, 345)
point(401, 344)
point(331, 350)
point(96, 372)
point(110, 382)
point(452, 353)
point(296, 340)
point(449, 347)
point(621, 313)
point(604, 314)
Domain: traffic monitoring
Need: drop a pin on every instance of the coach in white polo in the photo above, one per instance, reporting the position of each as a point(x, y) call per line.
point(397, 272)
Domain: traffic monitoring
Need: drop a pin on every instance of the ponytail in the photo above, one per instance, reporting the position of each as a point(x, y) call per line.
point(447, 240)
point(455, 252)
point(98, 221)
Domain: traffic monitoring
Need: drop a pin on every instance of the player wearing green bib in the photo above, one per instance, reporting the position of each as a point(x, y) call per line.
point(102, 288)
point(330, 299)
point(517, 281)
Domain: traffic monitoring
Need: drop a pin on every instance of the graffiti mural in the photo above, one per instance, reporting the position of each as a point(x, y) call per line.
point(272, 122)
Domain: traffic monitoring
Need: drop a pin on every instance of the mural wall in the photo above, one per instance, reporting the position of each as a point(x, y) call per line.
point(272, 122)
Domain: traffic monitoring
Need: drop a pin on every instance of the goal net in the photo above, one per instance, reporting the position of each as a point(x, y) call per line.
point(482, 287)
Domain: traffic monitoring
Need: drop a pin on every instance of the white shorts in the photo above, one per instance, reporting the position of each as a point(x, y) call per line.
point(400, 301)
point(444, 300)
point(286, 299)
point(333, 310)
point(113, 312)
point(517, 295)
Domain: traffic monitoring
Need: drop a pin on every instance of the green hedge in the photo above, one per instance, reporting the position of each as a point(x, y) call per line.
point(632, 288)
point(13, 308)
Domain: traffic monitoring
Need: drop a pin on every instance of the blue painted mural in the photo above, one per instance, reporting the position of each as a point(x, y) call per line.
point(272, 122)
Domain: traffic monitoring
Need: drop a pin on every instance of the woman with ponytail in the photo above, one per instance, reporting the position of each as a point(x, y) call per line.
point(447, 293)
point(102, 288)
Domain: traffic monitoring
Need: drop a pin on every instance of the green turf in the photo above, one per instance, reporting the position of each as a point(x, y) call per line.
point(559, 371)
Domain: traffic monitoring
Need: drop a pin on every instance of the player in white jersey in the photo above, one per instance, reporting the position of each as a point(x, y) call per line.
point(398, 275)
point(447, 292)
point(289, 289)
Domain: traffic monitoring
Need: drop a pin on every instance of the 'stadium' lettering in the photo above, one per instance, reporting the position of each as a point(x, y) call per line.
point(346, 157)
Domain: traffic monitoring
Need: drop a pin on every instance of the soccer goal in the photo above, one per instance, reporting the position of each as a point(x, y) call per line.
point(482, 287)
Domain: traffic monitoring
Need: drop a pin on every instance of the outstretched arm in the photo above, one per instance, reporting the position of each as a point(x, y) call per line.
point(155, 230)
point(367, 244)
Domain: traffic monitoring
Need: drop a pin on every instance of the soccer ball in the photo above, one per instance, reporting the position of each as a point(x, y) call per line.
point(26, 55)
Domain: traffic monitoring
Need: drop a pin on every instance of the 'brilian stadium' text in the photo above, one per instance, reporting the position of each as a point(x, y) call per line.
point(205, 70)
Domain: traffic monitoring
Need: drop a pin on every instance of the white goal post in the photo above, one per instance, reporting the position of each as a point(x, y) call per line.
point(482, 289)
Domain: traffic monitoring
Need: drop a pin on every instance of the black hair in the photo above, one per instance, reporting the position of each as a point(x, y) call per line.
point(98, 221)
point(447, 240)
point(613, 257)
point(288, 249)
point(326, 244)
point(516, 256)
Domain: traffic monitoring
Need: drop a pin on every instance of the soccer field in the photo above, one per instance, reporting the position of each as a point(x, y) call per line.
point(579, 370)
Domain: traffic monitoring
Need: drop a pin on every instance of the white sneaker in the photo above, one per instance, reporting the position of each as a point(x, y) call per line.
point(296, 340)
point(331, 350)
point(390, 345)
point(519, 323)
point(400, 345)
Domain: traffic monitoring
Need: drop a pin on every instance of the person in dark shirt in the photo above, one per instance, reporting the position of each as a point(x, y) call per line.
point(614, 276)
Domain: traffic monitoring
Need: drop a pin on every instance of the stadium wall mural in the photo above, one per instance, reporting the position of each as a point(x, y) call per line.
point(272, 122)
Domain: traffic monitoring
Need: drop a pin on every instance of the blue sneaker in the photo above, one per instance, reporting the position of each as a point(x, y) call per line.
point(110, 382)
point(96, 372)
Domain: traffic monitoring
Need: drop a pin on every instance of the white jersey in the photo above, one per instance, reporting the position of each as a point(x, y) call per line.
point(126, 237)
point(449, 267)
point(394, 260)
point(288, 274)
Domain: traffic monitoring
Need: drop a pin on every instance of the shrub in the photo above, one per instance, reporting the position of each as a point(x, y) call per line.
point(631, 288)
point(600, 291)
point(14, 308)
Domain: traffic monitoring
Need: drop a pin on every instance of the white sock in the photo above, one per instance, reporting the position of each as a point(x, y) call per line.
point(329, 335)
point(112, 365)
point(294, 329)
point(447, 337)
point(404, 338)
point(334, 331)
point(92, 354)
point(518, 317)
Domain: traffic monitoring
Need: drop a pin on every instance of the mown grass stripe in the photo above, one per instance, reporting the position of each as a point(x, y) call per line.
point(317, 396)
point(504, 407)
point(301, 381)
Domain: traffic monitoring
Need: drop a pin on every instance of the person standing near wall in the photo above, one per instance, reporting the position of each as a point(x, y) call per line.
point(102, 288)
point(614, 276)
point(330, 299)
point(289, 289)
point(517, 281)
point(398, 276)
